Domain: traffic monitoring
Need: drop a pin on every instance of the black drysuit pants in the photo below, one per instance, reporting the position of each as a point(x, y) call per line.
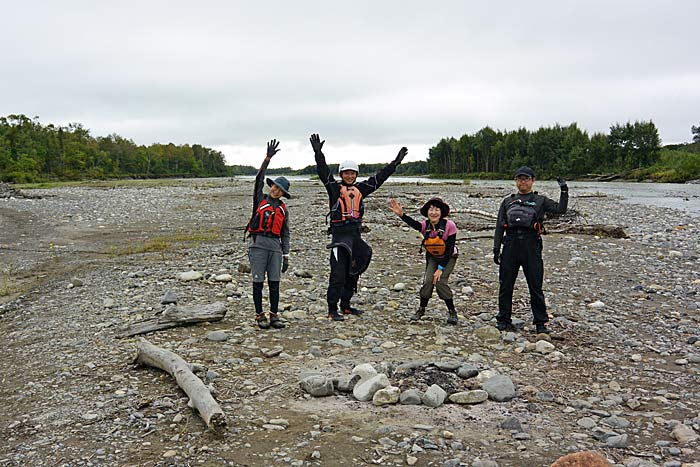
point(341, 284)
point(521, 249)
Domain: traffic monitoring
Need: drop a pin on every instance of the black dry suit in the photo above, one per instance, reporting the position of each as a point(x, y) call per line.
point(520, 217)
point(350, 255)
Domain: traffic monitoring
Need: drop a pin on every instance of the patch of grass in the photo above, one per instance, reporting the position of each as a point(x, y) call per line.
point(165, 243)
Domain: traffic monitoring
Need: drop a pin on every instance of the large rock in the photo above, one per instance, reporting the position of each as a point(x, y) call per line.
point(488, 334)
point(484, 463)
point(411, 397)
point(190, 276)
point(317, 386)
point(434, 396)
point(476, 396)
point(217, 336)
point(467, 371)
point(346, 383)
point(386, 396)
point(544, 347)
point(684, 434)
point(365, 370)
point(500, 388)
point(365, 390)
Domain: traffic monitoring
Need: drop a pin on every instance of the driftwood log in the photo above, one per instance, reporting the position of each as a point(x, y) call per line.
point(174, 316)
point(200, 397)
point(601, 230)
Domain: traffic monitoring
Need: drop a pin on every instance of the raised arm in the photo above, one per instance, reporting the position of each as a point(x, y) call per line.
point(396, 207)
point(558, 208)
point(272, 149)
point(375, 181)
point(324, 173)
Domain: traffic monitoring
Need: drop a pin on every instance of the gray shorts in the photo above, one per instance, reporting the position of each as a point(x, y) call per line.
point(265, 261)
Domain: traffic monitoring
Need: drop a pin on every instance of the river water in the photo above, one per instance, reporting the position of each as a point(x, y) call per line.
point(685, 197)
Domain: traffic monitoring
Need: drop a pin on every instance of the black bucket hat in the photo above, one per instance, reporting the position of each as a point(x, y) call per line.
point(282, 183)
point(439, 203)
point(525, 171)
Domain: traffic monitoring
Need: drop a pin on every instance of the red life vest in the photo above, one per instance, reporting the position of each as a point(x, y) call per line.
point(349, 207)
point(267, 219)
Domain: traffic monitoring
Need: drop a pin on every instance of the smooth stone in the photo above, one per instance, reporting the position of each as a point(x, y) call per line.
point(596, 305)
point(484, 463)
point(347, 383)
point(488, 334)
point(190, 276)
point(365, 390)
point(500, 388)
point(467, 371)
point(544, 347)
point(617, 441)
point(223, 278)
point(399, 286)
point(108, 303)
point(448, 365)
point(217, 336)
point(386, 396)
point(411, 397)
point(476, 396)
point(434, 397)
point(365, 370)
point(169, 297)
point(684, 434)
point(317, 386)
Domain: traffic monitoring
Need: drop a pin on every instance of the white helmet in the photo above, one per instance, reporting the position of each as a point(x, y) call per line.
point(349, 165)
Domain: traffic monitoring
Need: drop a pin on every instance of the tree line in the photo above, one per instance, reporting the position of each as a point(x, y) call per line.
point(30, 152)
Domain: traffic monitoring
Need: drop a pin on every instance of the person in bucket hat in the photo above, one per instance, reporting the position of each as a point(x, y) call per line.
point(439, 241)
point(350, 255)
point(268, 240)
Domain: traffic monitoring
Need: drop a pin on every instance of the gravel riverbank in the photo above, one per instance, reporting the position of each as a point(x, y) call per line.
point(620, 374)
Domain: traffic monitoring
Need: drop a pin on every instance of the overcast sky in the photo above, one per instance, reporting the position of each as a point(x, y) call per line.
point(369, 76)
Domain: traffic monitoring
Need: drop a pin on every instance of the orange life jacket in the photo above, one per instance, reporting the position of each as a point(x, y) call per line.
point(267, 219)
point(435, 246)
point(349, 207)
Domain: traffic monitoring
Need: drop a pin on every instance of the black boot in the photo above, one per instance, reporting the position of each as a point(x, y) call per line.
point(452, 316)
point(261, 320)
point(275, 321)
point(419, 314)
point(335, 316)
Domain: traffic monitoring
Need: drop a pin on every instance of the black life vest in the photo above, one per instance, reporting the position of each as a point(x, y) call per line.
point(522, 215)
point(349, 207)
point(267, 219)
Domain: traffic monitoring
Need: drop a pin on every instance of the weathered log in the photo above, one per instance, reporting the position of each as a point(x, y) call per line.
point(200, 397)
point(475, 212)
point(174, 316)
point(600, 230)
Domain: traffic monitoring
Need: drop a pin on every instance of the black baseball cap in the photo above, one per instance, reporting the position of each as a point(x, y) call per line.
point(525, 171)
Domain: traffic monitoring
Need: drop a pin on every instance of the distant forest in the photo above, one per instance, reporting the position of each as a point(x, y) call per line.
point(32, 152)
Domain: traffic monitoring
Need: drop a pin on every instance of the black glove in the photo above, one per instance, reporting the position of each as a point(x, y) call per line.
point(497, 256)
point(562, 184)
point(285, 263)
point(272, 148)
point(316, 143)
point(399, 157)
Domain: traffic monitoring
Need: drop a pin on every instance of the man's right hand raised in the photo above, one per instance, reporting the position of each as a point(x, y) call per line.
point(399, 157)
point(316, 143)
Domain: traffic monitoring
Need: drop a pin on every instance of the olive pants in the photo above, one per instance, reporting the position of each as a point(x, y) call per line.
point(443, 290)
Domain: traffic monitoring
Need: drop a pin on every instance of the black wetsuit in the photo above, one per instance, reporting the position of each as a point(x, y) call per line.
point(522, 246)
point(342, 284)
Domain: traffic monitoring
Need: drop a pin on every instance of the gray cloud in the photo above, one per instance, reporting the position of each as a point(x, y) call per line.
point(234, 74)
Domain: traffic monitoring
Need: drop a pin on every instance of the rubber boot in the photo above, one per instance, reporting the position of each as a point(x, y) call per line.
point(452, 317)
point(419, 314)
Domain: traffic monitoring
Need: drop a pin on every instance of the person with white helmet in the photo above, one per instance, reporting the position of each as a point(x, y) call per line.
point(350, 255)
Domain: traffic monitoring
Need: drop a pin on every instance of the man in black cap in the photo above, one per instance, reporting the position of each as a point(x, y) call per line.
point(268, 240)
point(520, 218)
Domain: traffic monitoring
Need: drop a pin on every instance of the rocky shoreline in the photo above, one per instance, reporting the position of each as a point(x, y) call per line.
point(620, 374)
